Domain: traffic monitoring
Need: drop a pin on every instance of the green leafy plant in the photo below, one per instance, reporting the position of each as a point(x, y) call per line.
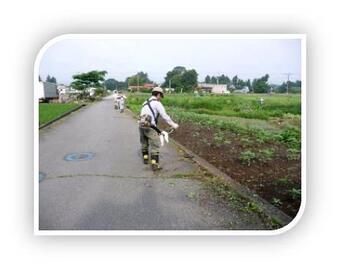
point(277, 202)
point(283, 181)
point(246, 141)
point(219, 138)
point(266, 155)
point(247, 156)
point(293, 154)
point(295, 193)
point(253, 207)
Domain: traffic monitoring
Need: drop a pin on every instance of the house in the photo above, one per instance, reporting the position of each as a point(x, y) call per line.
point(147, 86)
point(214, 88)
point(63, 89)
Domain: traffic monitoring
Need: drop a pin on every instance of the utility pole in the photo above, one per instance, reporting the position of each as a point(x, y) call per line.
point(137, 82)
point(288, 75)
point(169, 84)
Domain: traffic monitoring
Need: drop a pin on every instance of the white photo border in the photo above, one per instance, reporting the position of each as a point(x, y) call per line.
point(301, 37)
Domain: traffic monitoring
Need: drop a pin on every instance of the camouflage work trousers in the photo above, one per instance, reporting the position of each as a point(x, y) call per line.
point(149, 140)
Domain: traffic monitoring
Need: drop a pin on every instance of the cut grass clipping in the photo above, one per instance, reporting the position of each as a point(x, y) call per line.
point(48, 112)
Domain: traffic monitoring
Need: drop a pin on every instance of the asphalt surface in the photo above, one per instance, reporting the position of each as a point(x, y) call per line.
point(114, 190)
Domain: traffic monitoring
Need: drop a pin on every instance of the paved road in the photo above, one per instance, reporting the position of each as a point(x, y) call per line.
point(115, 190)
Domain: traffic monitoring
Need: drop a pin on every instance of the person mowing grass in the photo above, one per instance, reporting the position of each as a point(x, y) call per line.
point(152, 108)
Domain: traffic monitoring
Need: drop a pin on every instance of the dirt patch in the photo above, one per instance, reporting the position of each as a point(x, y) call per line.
point(269, 173)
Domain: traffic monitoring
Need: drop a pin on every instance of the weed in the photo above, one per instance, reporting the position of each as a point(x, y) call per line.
point(266, 155)
point(226, 142)
point(293, 154)
point(253, 207)
point(191, 195)
point(283, 181)
point(219, 138)
point(260, 141)
point(275, 223)
point(246, 141)
point(247, 156)
point(292, 137)
point(295, 193)
point(277, 202)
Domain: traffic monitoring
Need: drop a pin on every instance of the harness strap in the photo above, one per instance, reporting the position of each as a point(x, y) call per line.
point(153, 113)
point(156, 129)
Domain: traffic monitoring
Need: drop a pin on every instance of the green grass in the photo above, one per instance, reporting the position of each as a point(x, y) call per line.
point(277, 120)
point(244, 106)
point(48, 112)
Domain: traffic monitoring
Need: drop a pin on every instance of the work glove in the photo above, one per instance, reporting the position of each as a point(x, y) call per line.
point(164, 136)
point(175, 125)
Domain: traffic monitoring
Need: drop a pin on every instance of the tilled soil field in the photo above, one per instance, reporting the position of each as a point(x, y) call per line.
point(276, 179)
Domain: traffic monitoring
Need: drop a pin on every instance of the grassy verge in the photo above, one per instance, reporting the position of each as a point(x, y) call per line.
point(224, 194)
point(48, 112)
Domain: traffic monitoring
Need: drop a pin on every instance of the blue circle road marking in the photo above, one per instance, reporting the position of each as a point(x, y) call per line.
point(42, 176)
point(79, 156)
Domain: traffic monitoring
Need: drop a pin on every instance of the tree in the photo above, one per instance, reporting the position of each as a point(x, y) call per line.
point(222, 79)
point(248, 84)
point(189, 80)
point(235, 81)
point(86, 80)
point(213, 80)
point(227, 80)
point(175, 76)
point(261, 85)
point(293, 87)
point(113, 84)
point(139, 79)
point(181, 78)
point(51, 79)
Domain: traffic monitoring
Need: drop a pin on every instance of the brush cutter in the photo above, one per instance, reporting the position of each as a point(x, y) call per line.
point(163, 135)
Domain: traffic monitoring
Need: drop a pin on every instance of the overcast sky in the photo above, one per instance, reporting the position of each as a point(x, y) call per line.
point(247, 58)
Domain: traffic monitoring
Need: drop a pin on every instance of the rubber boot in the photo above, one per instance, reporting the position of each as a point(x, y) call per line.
point(155, 163)
point(145, 155)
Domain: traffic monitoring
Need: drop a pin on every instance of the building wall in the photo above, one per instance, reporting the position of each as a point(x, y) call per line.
point(215, 88)
point(50, 90)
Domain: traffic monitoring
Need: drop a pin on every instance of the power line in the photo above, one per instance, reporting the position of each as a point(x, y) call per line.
point(288, 75)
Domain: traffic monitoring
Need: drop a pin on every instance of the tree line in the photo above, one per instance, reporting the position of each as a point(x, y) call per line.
point(49, 79)
point(179, 78)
